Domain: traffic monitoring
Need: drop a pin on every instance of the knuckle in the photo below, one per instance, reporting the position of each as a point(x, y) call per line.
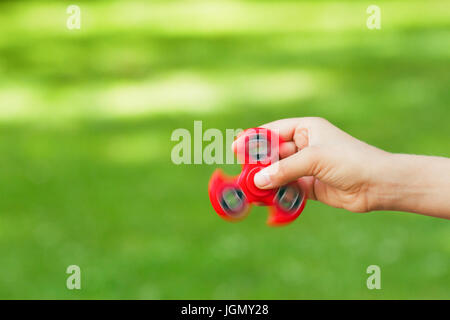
point(317, 119)
point(321, 120)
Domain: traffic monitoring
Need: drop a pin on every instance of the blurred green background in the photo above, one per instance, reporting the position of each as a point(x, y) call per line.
point(86, 118)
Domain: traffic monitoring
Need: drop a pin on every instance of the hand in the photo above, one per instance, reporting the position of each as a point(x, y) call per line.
point(344, 172)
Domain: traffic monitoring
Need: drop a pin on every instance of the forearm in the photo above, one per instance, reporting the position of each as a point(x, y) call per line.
point(411, 183)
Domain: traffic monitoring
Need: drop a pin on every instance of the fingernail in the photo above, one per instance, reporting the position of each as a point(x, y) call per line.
point(262, 179)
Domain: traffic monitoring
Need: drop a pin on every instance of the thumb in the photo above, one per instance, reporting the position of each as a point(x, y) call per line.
point(300, 164)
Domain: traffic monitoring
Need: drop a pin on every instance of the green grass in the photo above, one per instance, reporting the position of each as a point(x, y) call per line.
point(85, 123)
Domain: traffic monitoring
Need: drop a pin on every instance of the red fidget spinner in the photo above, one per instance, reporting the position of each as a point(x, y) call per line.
point(232, 197)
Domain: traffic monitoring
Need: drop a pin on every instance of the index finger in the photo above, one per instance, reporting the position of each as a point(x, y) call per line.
point(285, 128)
point(294, 131)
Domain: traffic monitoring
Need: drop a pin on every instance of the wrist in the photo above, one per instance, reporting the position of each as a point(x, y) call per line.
point(412, 183)
point(396, 185)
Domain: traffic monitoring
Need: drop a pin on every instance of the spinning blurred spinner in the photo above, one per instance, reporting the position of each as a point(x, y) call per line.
point(232, 197)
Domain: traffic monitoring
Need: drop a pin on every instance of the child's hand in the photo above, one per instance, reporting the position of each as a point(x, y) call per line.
point(341, 171)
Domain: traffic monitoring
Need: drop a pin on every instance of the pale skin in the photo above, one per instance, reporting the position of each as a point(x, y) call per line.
point(341, 171)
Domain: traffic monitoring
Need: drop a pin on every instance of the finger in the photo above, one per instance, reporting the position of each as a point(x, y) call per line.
point(287, 149)
point(235, 142)
point(298, 165)
point(292, 129)
point(301, 138)
point(307, 185)
point(285, 127)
